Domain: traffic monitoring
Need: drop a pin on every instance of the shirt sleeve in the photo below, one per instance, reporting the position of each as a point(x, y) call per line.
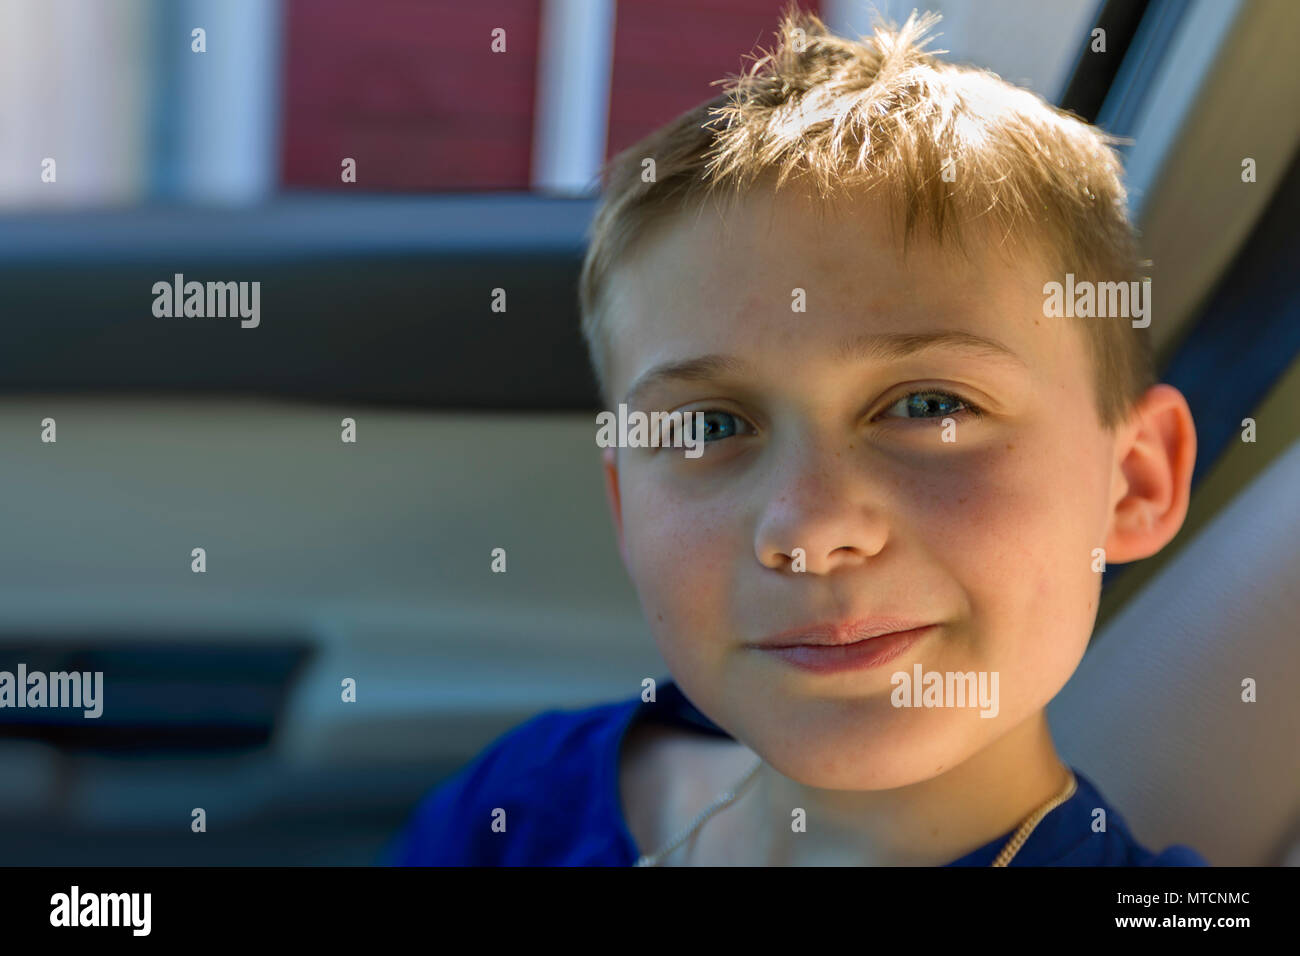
point(428, 838)
point(451, 825)
point(1177, 855)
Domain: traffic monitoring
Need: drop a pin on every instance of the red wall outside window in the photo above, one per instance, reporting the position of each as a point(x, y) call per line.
point(413, 92)
point(666, 53)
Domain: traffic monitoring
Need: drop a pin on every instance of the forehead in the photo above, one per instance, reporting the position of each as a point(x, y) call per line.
point(717, 280)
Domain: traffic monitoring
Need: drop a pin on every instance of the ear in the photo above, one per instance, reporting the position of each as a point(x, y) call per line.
point(612, 495)
point(1155, 453)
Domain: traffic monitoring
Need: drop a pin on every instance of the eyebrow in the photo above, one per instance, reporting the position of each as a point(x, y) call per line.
point(871, 346)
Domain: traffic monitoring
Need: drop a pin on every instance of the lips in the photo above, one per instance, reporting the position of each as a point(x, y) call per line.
point(827, 649)
point(836, 634)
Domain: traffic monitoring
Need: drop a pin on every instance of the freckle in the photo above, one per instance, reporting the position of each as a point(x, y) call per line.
point(962, 500)
point(1010, 446)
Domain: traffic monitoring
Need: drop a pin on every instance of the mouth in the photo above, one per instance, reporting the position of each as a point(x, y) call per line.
point(833, 648)
point(841, 634)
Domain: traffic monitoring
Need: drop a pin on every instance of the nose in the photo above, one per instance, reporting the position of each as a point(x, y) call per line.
point(824, 502)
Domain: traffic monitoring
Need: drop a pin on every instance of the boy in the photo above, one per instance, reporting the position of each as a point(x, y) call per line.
point(886, 561)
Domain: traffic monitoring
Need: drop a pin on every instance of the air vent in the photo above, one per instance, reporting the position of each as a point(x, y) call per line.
point(158, 697)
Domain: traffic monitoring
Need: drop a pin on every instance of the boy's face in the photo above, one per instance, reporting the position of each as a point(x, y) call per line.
point(988, 537)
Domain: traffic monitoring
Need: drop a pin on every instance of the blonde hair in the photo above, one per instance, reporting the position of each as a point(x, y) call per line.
point(881, 113)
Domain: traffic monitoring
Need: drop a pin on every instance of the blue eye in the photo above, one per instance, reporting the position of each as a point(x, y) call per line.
point(717, 425)
point(931, 404)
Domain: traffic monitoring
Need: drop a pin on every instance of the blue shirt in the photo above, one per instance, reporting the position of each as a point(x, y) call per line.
point(556, 777)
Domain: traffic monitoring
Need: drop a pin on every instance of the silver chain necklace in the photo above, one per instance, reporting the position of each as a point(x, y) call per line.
point(727, 797)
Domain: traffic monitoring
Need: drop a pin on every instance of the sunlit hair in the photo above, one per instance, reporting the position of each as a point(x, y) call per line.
point(882, 115)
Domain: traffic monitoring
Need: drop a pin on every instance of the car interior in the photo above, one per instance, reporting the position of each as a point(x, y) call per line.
point(370, 560)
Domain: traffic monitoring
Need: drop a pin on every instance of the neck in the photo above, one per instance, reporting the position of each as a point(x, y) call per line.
point(929, 823)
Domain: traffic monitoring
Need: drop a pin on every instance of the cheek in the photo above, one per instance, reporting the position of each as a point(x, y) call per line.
point(1002, 505)
point(681, 555)
point(1015, 525)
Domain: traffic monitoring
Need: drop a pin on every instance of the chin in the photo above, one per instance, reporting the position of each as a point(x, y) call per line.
point(886, 758)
